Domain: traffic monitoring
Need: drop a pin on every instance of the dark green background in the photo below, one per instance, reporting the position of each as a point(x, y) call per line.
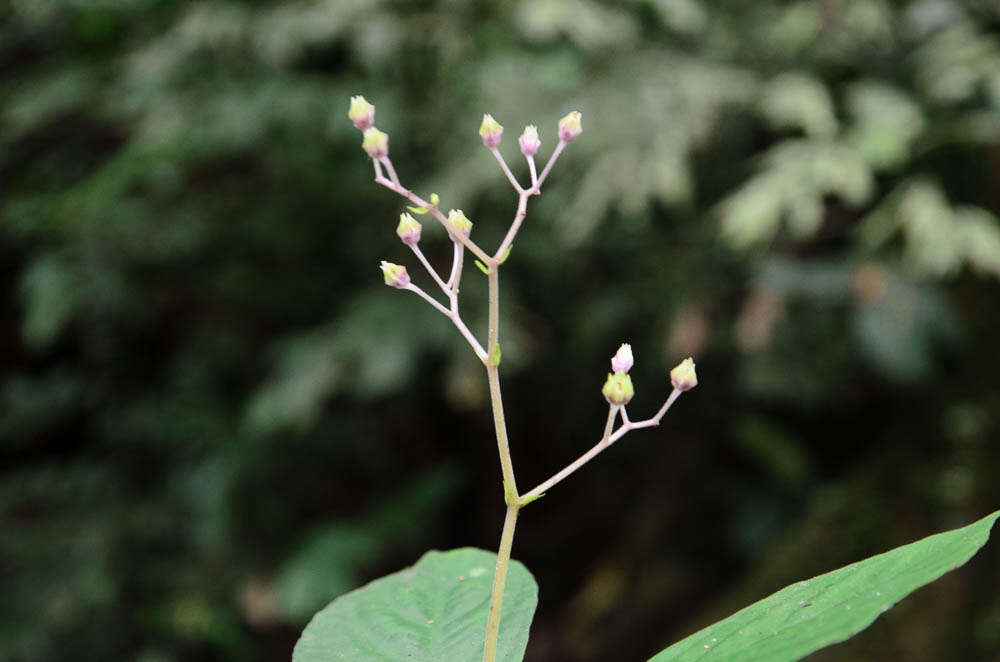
point(214, 418)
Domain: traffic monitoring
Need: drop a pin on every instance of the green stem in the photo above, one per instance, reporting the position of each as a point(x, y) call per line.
point(506, 465)
point(493, 374)
point(499, 582)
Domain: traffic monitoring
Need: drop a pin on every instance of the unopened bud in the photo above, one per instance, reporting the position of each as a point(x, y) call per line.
point(375, 143)
point(460, 222)
point(683, 377)
point(529, 141)
point(570, 127)
point(408, 229)
point(490, 131)
point(395, 275)
point(618, 389)
point(361, 113)
point(622, 360)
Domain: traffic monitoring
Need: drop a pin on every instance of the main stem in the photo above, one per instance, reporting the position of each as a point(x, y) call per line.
point(499, 581)
point(506, 465)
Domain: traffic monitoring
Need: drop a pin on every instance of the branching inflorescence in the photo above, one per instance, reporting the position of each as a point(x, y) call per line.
point(617, 390)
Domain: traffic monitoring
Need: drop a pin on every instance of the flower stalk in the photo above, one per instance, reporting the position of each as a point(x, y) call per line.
point(617, 390)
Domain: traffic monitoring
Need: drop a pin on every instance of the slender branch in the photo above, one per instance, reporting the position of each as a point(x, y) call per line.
point(534, 172)
point(428, 298)
point(649, 422)
point(456, 269)
point(548, 166)
point(522, 210)
point(420, 202)
point(499, 582)
point(580, 461)
point(454, 317)
point(506, 171)
point(392, 171)
point(464, 330)
point(606, 441)
point(431, 270)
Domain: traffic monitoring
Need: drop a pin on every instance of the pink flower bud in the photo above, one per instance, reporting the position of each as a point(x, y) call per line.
point(408, 229)
point(375, 143)
point(570, 127)
point(395, 275)
point(622, 360)
point(361, 113)
point(683, 377)
point(618, 390)
point(529, 141)
point(490, 131)
point(459, 221)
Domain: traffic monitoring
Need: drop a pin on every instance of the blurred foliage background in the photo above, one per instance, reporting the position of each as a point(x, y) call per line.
point(214, 418)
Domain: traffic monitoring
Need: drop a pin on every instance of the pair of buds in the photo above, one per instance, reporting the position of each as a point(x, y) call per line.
point(618, 389)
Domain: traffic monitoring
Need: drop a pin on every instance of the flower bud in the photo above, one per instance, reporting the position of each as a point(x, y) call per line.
point(622, 360)
point(361, 113)
point(459, 221)
point(490, 131)
point(529, 141)
point(570, 127)
point(408, 229)
point(375, 143)
point(618, 389)
point(683, 377)
point(395, 275)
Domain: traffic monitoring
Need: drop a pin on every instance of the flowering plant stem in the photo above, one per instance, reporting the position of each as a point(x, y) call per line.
point(490, 355)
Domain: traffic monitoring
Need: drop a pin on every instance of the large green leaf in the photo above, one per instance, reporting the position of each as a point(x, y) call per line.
point(435, 610)
point(811, 614)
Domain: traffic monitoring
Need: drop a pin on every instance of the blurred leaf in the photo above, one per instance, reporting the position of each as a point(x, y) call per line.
point(899, 329)
point(437, 610)
point(886, 122)
point(797, 100)
point(372, 349)
point(328, 562)
point(830, 608)
point(51, 291)
point(323, 567)
point(796, 176)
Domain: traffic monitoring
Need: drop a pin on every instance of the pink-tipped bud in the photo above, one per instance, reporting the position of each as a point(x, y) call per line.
point(622, 360)
point(490, 131)
point(375, 143)
point(408, 229)
point(395, 275)
point(460, 222)
point(529, 141)
point(570, 127)
point(361, 113)
point(618, 390)
point(683, 377)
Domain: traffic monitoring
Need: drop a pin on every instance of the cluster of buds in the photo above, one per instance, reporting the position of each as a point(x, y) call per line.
point(568, 128)
point(362, 114)
point(618, 389)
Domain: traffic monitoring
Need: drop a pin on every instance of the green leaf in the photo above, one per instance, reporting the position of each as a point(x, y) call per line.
point(506, 254)
point(435, 199)
point(495, 355)
point(483, 267)
point(417, 210)
point(811, 614)
point(435, 610)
